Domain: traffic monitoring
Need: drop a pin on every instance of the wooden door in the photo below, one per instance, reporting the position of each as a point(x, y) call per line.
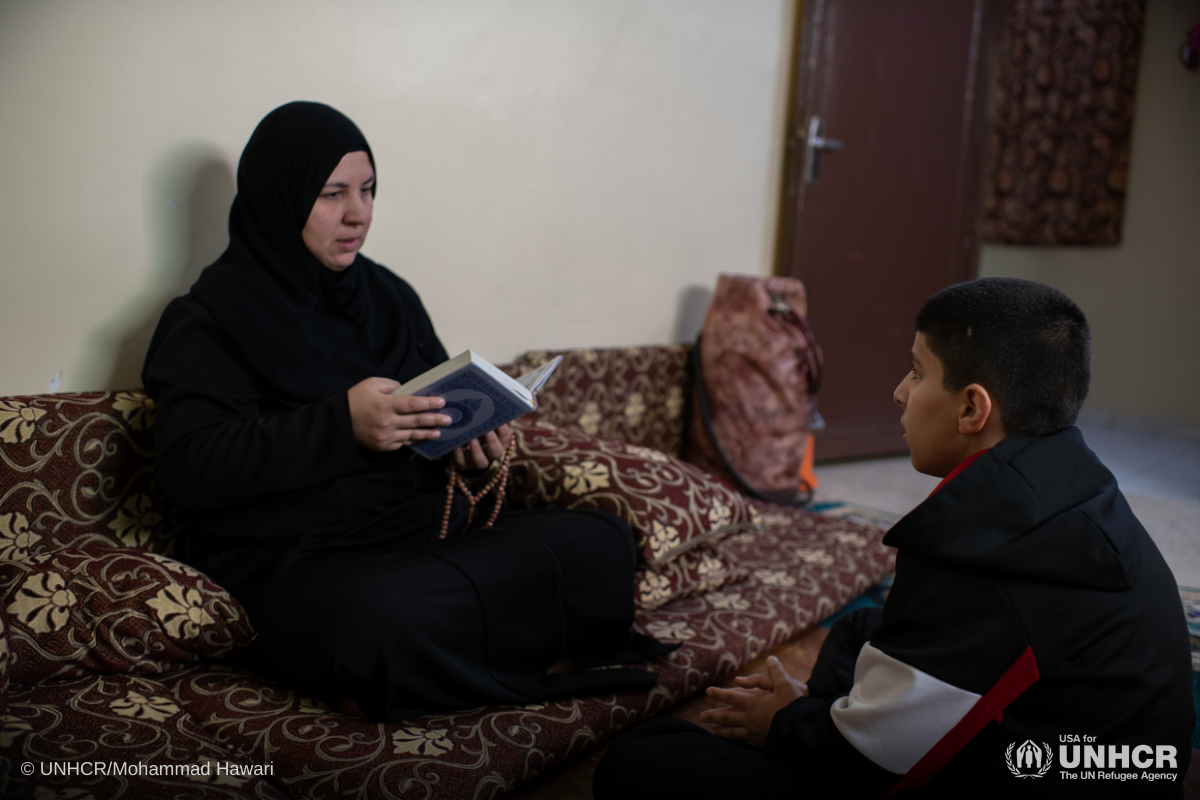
point(891, 217)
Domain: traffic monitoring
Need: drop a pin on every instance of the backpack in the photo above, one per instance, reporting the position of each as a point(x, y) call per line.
point(756, 370)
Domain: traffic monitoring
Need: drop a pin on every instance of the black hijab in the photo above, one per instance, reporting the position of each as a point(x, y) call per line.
point(306, 330)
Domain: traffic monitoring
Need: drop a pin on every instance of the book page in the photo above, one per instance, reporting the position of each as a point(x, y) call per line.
point(536, 379)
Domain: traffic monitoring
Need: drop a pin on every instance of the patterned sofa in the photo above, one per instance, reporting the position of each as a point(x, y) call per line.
point(115, 679)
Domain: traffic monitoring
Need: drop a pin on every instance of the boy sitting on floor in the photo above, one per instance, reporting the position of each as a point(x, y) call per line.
point(1033, 643)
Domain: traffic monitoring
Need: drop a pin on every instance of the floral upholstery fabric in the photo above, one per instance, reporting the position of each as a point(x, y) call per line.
point(76, 477)
point(633, 394)
point(135, 726)
point(74, 611)
point(699, 570)
point(77, 471)
point(800, 568)
point(671, 505)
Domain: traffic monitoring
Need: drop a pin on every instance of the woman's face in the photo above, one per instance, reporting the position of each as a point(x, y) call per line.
point(341, 216)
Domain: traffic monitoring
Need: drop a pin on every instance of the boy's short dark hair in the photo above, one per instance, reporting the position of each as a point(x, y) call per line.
point(1026, 343)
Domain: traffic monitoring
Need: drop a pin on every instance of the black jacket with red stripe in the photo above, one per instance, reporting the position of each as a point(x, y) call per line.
point(1029, 605)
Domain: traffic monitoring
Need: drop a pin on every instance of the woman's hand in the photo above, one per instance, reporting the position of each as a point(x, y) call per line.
point(382, 422)
point(753, 705)
point(477, 455)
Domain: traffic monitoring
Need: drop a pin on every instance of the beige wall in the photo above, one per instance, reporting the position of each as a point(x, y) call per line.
point(551, 173)
point(1142, 298)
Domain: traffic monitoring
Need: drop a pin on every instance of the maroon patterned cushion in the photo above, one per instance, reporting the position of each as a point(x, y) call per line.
point(632, 394)
point(671, 505)
point(122, 736)
point(76, 470)
point(696, 571)
point(74, 611)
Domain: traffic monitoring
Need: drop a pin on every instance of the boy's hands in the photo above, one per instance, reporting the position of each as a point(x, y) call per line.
point(754, 703)
point(382, 422)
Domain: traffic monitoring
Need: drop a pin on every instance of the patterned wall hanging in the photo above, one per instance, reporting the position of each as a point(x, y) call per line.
point(1063, 119)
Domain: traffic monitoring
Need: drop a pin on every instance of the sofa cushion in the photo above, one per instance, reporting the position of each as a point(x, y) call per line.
point(631, 394)
point(671, 505)
point(703, 569)
point(96, 737)
point(76, 611)
point(77, 470)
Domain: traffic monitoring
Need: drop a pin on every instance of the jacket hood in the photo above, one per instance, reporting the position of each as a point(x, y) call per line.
point(1040, 509)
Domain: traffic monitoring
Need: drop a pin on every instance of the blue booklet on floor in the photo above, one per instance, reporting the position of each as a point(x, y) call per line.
point(479, 398)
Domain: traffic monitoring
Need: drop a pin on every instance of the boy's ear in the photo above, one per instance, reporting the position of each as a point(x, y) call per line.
point(975, 409)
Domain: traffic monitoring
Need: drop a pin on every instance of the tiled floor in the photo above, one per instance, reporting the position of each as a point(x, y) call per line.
point(1153, 464)
point(1160, 475)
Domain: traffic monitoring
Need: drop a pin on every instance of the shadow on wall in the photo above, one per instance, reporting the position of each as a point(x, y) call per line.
point(189, 195)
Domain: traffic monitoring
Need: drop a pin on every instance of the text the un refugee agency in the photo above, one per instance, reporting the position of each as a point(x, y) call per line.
point(1082, 757)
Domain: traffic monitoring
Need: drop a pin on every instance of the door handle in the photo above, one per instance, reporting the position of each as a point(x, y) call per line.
point(814, 143)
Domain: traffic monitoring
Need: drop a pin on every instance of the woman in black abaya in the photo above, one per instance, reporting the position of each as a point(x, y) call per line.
point(278, 439)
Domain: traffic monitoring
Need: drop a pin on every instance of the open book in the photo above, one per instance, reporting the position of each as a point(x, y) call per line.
point(479, 398)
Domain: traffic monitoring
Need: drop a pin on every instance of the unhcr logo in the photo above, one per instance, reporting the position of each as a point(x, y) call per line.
point(1031, 761)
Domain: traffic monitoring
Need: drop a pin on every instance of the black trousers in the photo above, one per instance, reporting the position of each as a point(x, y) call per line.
point(672, 758)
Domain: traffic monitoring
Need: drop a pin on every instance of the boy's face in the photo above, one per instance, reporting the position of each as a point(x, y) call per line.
point(930, 417)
